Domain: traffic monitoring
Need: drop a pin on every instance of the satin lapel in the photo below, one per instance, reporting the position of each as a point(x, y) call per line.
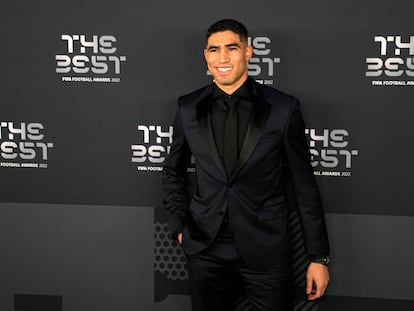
point(261, 110)
point(206, 130)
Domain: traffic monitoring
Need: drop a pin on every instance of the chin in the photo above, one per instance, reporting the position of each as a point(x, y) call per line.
point(224, 82)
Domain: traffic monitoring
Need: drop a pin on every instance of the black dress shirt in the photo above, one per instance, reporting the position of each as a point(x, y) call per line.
point(243, 97)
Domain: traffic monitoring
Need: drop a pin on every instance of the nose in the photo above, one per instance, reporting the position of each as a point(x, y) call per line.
point(224, 56)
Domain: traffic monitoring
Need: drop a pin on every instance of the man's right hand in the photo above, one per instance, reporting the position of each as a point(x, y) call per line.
point(180, 238)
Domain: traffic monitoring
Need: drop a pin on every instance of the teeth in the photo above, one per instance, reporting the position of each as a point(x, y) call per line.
point(223, 69)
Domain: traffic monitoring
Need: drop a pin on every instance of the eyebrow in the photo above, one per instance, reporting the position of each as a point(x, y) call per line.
point(226, 45)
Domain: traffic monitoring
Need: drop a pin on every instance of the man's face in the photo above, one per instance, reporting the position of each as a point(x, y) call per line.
point(227, 58)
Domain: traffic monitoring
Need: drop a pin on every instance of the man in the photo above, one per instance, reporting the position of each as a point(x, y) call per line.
point(244, 138)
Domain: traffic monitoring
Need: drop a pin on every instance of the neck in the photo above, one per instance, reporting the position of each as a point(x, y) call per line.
point(230, 89)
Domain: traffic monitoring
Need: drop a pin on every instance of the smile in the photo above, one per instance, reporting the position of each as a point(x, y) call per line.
point(224, 69)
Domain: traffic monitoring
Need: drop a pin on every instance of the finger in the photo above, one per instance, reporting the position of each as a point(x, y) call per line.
point(319, 291)
point(314, 295)
point(309, 285)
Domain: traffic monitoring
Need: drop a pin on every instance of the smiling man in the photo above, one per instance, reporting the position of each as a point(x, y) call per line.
point(227, 54)
point(245, 138)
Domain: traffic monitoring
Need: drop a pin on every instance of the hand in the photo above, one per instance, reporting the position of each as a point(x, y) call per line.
point(317, 278)
point(180, 238)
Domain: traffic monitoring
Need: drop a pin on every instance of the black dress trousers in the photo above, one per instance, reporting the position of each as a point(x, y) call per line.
point(218, 278)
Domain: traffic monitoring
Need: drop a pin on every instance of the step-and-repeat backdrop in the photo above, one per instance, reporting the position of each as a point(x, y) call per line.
point(88, 93)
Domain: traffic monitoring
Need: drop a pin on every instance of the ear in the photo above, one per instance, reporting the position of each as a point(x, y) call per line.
point(205, 54)
point(249, 52)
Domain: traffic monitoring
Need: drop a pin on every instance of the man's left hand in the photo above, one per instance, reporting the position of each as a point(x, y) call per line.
point(317, 279)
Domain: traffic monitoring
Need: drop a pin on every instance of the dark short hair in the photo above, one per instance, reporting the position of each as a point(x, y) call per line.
point(228, 24)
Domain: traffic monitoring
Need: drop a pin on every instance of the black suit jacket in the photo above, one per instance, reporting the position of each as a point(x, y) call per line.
point(275, 144)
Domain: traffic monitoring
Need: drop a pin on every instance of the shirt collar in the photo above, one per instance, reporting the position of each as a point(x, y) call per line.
point(244, 91)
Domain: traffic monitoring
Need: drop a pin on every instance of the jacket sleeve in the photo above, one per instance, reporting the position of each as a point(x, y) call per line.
point(175, 181)
point(308, 201)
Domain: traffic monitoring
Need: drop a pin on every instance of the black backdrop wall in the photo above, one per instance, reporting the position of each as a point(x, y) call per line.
point(88, 92)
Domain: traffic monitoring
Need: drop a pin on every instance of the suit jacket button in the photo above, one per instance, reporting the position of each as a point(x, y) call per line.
point(221, 213)
point(229, 185)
